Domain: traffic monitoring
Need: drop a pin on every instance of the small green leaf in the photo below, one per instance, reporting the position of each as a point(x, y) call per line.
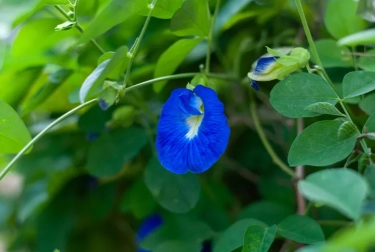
point(164, 9)
point(292, 95)
point(330, 187)
point(367, 104)
point(108, 154)
point(320, 145)
point(324, 108)
point(258, 238)
point(365, 37)
point(176, 193)
point(358, 83)
point(13, 132)
point(192, 19)
point(119, 69)
point(180, 246)
point(333, 55)
point(122, 116)
point(34, 196)
point(347, 130)
point(107, 97)
point(301, 229)
point(228, 11)
point(232, 237)
point(105, 20)
point(172, 58)
point(100, 73)
point(340, 18)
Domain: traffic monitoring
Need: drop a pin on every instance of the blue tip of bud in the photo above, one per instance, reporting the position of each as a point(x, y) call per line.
point(103, 105)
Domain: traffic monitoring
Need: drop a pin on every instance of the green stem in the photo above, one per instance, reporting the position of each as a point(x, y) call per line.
point(210, 37)
point(37, 137)
point(79, 27)
point(265, 141)
point(138, 42)
point(313, 49)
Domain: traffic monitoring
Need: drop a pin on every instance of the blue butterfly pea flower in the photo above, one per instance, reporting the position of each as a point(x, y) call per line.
point(192, 131)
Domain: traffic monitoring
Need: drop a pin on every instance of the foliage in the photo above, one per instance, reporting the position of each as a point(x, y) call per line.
point(82, 84)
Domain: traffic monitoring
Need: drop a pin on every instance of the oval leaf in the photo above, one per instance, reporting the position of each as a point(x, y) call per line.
point(100, 73)
point(367, 104)
point(333, 55)
point(370, 124)
point(192, 19)
point(358, 83)
point(320, 145)
point(176, 193)
point(13, 132)
point(292, 95)
point(301, 229)
point(324, 108)
point(330, 187)
point(232, 238)
point(258, 238)
point(340, 18)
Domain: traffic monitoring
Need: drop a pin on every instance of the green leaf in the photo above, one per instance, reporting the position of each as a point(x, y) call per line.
point(301, 229)
point(333, 55)
point(164, 9)
point(330, 187)
point(119, 69)
point(347, 130)
point(108, 154)
point(258, 238)
point(94, 120)
point(169, 61)
point(358, 83)
point(292, 95)
point(139, 208)
point(367, 104)
point(320, 145)
point(13, 132)
point(106, 19)
point(34, 196)
point(340, 18)
point(55, 79)
point(228, 11)
point(366, 37)
point(192, 19)
point(176, 193)
point(232, 237)
point(266, 211)
point(180, 246)
point(324, 108)
point(100, 73)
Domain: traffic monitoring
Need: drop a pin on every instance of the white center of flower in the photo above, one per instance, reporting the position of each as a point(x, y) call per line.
point(193, 122)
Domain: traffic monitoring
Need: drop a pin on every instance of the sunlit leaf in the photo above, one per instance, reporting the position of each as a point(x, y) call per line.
point(13, 132)
point(172, 58)
point(358, 83)
point(259, 238)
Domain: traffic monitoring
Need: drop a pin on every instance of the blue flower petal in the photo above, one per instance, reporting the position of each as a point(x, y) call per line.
point(263, 64)
point(188, 141)
point(149, 225)
point(254, 84)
